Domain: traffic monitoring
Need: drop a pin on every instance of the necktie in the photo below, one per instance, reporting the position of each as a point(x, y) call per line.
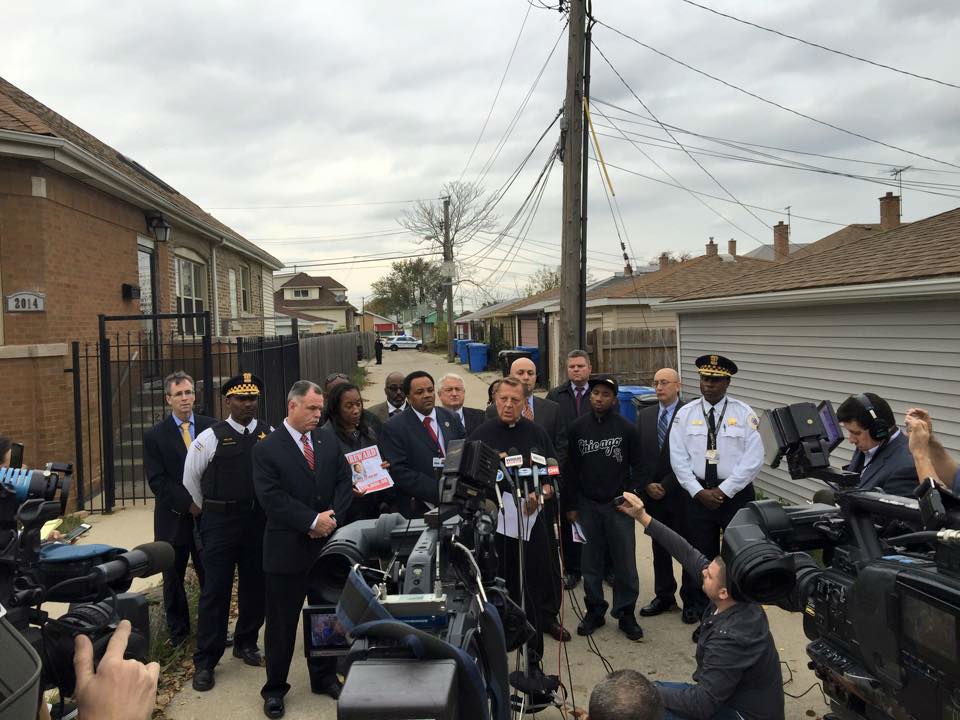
point(662, 424)
point(428, 424)
point(307, 450)
point(579, 397)
point(185, 432)
point(528, 411)
point(710, 471)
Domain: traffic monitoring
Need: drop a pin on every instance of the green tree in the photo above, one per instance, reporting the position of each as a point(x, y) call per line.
point(542, 279)
point(410, 283)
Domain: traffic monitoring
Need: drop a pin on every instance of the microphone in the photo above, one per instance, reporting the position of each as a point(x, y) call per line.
point(142, 561)
point(537, 461)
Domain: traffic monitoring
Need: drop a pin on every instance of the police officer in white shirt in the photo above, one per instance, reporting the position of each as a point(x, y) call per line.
point(715, 452)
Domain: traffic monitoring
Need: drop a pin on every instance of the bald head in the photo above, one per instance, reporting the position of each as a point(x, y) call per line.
point(667, 384)
point(393, 389)
point(525, 371)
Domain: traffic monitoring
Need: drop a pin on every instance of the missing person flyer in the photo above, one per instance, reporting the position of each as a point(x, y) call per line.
point(369, 475)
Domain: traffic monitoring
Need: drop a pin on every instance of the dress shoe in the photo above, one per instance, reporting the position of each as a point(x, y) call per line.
point(696, 634)
point(571, 580)
point(203, 680)
point(328, 686)
point(178, 640)
point(631, 628)
point(273, 707)
point(229, 641)
point(658, 605)
point(557, 632)
point(591, 621)
point(250, 655)
point(690, 615)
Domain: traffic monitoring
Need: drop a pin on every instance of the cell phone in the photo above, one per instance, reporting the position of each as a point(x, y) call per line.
point(76, 532)
point(16, 455)
point(619, 500)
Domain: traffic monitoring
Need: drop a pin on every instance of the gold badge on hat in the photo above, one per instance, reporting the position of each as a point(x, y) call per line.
point(248, 377)
point(713, 361)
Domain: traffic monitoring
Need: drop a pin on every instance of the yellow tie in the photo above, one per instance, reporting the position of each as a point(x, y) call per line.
point(185, 431)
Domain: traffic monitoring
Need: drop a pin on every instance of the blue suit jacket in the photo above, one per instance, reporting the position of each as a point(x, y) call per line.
point(892, 469)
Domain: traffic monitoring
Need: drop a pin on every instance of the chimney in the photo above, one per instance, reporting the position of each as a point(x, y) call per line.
point(664, 261)
point(711, 248)
point(781, 240)
point(889, 211)
point(732, 247)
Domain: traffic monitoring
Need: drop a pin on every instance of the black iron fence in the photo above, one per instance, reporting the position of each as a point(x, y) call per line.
point(276, 361)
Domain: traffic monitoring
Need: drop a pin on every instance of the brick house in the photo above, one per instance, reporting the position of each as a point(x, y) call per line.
point(86, 230)
point(319, 303)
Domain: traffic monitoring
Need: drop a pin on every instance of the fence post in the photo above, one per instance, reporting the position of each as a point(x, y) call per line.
point(207, 366)
point(106, 420)
point(77, 424)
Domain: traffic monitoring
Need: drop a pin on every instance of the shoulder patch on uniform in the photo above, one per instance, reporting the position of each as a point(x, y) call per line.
point(753, 420)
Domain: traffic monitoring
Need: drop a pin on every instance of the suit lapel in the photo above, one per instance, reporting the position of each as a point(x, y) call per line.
point(301, 460)
point(419, 430)
point(176, 438)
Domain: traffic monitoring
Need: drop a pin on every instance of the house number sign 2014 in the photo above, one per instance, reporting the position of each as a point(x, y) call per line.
point(27, 302)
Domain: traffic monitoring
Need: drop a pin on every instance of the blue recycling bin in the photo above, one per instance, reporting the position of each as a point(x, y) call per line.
point(464, 352)
point(478, 357)
point(457, 342)
point(535, 356)
point(626, 396)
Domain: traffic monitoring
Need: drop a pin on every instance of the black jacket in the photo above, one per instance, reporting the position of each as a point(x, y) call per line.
point(563, 396)
point(292, 495)
point(737, 661)
point(546, 414)
point(656, 460)
point(163, 456)
point(473, 419)
point(410, 451)
point(363, 507)
point(603, 458)
point(892, 469)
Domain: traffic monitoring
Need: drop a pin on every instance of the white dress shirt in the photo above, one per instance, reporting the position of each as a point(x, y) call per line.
point(200, 454)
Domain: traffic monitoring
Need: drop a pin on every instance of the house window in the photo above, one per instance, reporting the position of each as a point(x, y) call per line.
point(232, 281)
point(301, 293)
point(191, 294)
point(245, 301)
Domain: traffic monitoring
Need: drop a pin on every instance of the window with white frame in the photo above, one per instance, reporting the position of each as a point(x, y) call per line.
point(191, 293)
point(301, 293)
point(246, 302)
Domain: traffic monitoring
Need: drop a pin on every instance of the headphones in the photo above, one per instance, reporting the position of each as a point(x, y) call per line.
point(878, 429)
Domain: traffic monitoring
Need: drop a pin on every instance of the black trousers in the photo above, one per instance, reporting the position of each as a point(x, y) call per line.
point(536, 591)
point(230, 541)
point(552, 589)
point(672, 511)
point(611, 532)
point(285, 596)
point(175, 606)
point(706, 526)
point(571, 550)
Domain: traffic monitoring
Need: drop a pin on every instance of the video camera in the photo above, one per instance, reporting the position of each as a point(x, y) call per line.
point(427, 635)
point(93, 578)
point(883, 612)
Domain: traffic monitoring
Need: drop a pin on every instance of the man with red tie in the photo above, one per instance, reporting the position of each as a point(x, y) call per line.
point(415, 441)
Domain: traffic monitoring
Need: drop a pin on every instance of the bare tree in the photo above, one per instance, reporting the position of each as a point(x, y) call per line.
point(470, 212)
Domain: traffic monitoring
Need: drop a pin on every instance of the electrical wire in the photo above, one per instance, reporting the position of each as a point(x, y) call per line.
point(316, 205)
point(775, 104)
point(843, 53)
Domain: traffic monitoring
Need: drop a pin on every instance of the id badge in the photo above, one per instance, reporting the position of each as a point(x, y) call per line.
point(713, 457)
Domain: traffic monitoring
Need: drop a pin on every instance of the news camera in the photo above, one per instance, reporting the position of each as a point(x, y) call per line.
point(414, 607)
point(92, 578)
point(882, 610)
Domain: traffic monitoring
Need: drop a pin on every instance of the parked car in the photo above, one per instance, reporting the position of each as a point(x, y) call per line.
point(395, 342)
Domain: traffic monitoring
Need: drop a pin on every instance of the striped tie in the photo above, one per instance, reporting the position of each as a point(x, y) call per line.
point(307, 450)
point(662, 425)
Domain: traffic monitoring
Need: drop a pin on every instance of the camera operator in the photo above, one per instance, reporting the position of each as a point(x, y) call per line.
point(882, 456)
point(624, 695)
point(511, 431)
point(931, 458)
point(738, 669)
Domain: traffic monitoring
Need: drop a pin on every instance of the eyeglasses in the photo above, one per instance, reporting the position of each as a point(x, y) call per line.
point(336, 376)
point(394, 388)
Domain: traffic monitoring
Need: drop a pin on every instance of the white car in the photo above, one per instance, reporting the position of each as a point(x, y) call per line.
point(395, 342)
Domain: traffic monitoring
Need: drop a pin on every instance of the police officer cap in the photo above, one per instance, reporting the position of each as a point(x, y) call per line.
point(600, 379)
point(242, 384)
point(715, 366)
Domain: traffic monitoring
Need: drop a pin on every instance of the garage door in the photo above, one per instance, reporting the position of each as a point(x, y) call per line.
point(529, 332)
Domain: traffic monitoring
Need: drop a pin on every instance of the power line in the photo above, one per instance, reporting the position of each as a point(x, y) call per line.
point(297, 239)
point(316, 205)
point(845, 54)
point(776, 104)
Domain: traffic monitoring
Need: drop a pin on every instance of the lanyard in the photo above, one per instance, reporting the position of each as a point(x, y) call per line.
point(712, 438)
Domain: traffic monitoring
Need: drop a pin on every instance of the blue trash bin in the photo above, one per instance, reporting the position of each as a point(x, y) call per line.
point(627, 394)
point(535, 356)
point(457, 342)
point(464, 352)
point(478, 357)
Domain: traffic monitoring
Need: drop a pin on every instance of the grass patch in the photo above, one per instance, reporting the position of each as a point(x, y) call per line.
point(358, 376)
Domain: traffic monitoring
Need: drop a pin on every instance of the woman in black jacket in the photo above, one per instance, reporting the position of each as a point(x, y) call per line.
point(348, 422)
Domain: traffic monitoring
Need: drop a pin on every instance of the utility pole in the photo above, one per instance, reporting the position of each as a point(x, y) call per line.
point(448, 261)
point(584, 192)
point(572, 297)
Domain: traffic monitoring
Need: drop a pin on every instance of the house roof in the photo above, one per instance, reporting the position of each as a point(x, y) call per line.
point(302, 280)
point(325, 301)
point(301, 315)
point(378, 316)
point(923, 249)
point(766, 252)
point(19, 112)
point(838, 238)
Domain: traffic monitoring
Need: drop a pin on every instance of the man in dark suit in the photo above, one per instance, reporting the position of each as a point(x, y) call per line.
point(164, 451)
point(452, 396)
point(882, 455)
point(303, 483)
point(573, 399)
point(414, 442)
point(396, 401)
point(666, 500)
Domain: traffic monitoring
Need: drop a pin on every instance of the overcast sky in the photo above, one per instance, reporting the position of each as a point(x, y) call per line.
point(345, 105)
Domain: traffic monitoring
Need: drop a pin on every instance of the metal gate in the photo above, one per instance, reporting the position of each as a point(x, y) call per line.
point(276, 361)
